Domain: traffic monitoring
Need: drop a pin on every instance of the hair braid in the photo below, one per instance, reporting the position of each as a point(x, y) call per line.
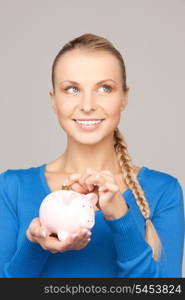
point(128, 173)
point(131, 181)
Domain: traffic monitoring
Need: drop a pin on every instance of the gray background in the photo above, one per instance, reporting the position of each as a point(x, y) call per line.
point(150, 36)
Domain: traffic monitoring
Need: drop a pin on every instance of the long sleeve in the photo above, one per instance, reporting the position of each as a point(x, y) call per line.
point(26, 259)
point(134, 254)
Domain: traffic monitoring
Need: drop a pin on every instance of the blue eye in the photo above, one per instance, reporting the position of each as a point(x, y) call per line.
point(72, 88)
point(107, 88)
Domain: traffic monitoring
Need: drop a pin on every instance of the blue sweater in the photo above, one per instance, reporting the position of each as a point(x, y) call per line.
point(117, 247)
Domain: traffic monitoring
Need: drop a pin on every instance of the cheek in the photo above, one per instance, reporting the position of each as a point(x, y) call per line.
point(110, 102)
point(64, 108)
point(113, 107)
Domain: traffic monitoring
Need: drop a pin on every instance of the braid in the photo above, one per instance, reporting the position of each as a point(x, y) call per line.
point(132, 183)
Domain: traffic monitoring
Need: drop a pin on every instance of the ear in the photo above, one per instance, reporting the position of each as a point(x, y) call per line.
point(53, 102)
point(124, 100)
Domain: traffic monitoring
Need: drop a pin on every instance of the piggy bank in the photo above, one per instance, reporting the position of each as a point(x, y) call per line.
point(64, 212)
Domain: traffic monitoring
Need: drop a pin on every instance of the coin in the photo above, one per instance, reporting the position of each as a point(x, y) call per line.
point(65, 187)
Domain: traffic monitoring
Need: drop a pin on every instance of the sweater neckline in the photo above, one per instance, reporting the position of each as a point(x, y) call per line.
point(47, 189)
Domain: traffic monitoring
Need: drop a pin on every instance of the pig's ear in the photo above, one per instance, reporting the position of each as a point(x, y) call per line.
point(92, 197)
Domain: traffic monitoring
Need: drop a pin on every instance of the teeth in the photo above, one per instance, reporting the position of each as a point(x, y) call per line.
point(88, 122)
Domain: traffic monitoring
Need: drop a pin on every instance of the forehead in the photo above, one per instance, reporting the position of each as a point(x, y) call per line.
point(81, 64)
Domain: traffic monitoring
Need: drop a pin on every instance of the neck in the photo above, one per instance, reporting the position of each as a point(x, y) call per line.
point(100, 156)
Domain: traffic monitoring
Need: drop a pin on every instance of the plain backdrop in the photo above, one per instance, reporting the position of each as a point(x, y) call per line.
point(150, 36)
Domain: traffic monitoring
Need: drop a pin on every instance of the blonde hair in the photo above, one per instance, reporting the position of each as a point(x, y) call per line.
point(94, 42)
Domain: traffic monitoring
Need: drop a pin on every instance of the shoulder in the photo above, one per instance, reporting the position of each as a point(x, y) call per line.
point(21, 171)
point(14, 183)
point(11, 178)
point(161, 188)
point(157, 178)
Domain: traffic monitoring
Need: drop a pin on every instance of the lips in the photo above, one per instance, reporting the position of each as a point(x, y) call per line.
point(89, 119)
point(90, 126)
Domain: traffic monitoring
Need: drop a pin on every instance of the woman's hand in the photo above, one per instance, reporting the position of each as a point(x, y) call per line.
point(37, 234)
point(110, 200)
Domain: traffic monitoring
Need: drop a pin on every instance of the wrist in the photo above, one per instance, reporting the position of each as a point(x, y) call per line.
point(118, 210)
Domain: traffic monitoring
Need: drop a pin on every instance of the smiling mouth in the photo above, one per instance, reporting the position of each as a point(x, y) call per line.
point(88, 125)
point(87, 120)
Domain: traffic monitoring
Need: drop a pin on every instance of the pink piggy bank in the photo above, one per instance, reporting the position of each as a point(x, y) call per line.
point(64, 212)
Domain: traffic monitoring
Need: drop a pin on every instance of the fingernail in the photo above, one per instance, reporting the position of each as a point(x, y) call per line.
point(89, 233)
point(84, 230)
point(88, 240)
point(43, 234)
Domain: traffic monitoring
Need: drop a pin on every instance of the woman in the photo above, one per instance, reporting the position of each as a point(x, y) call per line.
point(139, 223)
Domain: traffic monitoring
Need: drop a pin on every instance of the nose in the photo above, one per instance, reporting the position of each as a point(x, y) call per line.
point(87, 102)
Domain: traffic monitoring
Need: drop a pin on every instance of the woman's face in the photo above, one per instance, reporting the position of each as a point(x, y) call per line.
point(88, 85)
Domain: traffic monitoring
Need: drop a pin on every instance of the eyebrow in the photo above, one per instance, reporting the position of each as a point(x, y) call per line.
point(75, 82)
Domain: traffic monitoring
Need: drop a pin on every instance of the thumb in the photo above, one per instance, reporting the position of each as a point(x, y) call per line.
point(44, 232)
point(77, 187)
point(73, 182)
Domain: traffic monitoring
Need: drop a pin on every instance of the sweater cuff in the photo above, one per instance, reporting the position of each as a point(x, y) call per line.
point(128, 239)
point(27, 262)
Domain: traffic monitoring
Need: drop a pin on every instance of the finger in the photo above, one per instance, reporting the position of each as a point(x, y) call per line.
point(108, 186)
point(53, 244)
point(77, 187)
point(107, 174)
point(76, 184)
point(87, 173)
point(73, 181)
point(43, 232)
point(37, 230)
point(78, 244)
point(72, 178)
point(83, 233)
point(75, 241)
point(82, 244)
point(34, 228)
point(96, 179)
point(100, 179)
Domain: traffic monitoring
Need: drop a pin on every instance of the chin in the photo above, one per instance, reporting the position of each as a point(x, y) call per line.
point(88, 140)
